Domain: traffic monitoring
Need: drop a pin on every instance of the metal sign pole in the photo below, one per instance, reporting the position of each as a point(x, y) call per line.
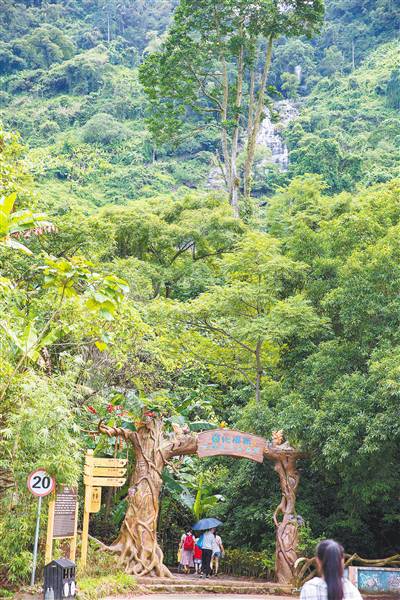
point(35, 546)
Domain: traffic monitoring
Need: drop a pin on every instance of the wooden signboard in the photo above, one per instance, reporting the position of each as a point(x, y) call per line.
point(105, 462)
point(95, 500)
point(63, 521)
point(98, 473)
point(65, 513)
point(104, 471)
point(104, 481)
point(228, 442)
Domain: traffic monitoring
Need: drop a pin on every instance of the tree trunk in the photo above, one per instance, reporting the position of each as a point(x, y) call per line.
point(256, 121)
point(287, 535)
point(250, 121)
point(235, 180)
point(259, 371)
point(224, 133)
point(137, 543)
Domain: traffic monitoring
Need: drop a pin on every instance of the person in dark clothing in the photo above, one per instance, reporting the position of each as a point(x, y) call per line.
point(207, 552)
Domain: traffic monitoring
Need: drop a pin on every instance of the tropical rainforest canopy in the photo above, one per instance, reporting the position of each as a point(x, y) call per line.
point(129, 283)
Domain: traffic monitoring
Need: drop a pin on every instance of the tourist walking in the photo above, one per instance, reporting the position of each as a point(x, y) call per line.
point(218, 552)
point(197, 558)
point(187, 549)
point(331, 585)
point(207, 547)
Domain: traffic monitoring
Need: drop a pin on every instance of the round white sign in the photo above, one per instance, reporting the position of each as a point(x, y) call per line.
point(40, 483)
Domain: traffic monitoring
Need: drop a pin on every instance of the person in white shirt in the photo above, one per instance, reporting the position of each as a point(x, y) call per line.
point(218, 552)
point(331, 585)
point(207, 547)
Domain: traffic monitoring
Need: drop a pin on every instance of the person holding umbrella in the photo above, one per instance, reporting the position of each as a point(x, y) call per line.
point(207, 543)
point(207, 552)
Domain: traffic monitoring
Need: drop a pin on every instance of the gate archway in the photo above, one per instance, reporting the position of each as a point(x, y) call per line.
point(137, 542)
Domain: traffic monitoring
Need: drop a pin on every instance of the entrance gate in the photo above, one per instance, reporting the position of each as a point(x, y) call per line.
point(137, 541)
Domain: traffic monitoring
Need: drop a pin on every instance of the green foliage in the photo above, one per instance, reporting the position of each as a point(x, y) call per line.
point(247, 563)
point(348, 129)
point(239, 325)
point(290, 321)
point(82, 74)
point(290, 84)
point(393, 90)
point(175, 242)
point(40, 426)
point(336, 398)
point(307, 541)
point(186, 76)
point(103, 129)
point(38, 50)
point(91, 588)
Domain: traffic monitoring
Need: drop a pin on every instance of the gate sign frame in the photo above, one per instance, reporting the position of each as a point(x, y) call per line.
point(229, 442)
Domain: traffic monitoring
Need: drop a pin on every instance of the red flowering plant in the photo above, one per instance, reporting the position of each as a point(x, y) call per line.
point(131, 409)
point(125, 408)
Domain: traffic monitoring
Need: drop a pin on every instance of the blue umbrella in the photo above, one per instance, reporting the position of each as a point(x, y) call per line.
point(206, 524)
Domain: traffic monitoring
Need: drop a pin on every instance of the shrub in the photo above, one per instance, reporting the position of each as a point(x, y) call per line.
point(248, 563)
point(393, 90)
point(103, 128)
point(90, 588)
point(4, 98)
point(82, 74)
point(48, 129)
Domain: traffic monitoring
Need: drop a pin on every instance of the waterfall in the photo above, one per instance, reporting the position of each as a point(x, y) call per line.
point(270, 137)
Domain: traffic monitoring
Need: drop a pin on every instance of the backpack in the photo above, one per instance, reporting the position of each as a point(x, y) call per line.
point(188, 542)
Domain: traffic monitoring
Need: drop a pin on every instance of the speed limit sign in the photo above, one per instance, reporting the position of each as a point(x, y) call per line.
point(40, 483)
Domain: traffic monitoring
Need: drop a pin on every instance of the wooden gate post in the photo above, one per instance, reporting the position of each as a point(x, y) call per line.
point(287, 535)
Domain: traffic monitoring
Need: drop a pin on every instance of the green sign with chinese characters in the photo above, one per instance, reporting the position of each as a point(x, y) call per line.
point(231, 443)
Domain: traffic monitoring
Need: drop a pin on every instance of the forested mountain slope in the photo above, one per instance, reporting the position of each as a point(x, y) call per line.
point(68, 84)
point(349, 127)
point(140, 291)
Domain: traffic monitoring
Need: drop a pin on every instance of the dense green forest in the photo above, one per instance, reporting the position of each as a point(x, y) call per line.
point(127, 282)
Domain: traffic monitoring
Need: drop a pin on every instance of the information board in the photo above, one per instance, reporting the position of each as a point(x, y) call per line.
point(376, 579)
point(231, 443)
point(65, 513)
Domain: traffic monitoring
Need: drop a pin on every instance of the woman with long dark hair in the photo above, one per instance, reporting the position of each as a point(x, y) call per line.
point(331, 585)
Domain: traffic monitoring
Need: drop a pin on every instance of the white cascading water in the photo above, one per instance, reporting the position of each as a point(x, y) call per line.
point(269, 137)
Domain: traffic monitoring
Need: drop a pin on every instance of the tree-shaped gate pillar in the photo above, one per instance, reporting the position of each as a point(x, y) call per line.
point(287, 534)
point(137, 543)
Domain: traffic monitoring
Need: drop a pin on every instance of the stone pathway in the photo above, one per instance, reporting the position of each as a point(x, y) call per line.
point(229, 586)
point(226, 596)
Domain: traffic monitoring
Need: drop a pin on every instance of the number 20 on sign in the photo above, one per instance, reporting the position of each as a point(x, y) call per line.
point(40, 484)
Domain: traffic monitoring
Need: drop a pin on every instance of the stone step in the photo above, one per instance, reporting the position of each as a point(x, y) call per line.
point(215, 588)
point(220, 580)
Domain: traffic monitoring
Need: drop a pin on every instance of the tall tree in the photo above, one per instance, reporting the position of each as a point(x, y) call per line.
point(238, 327)
point(214, 65)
